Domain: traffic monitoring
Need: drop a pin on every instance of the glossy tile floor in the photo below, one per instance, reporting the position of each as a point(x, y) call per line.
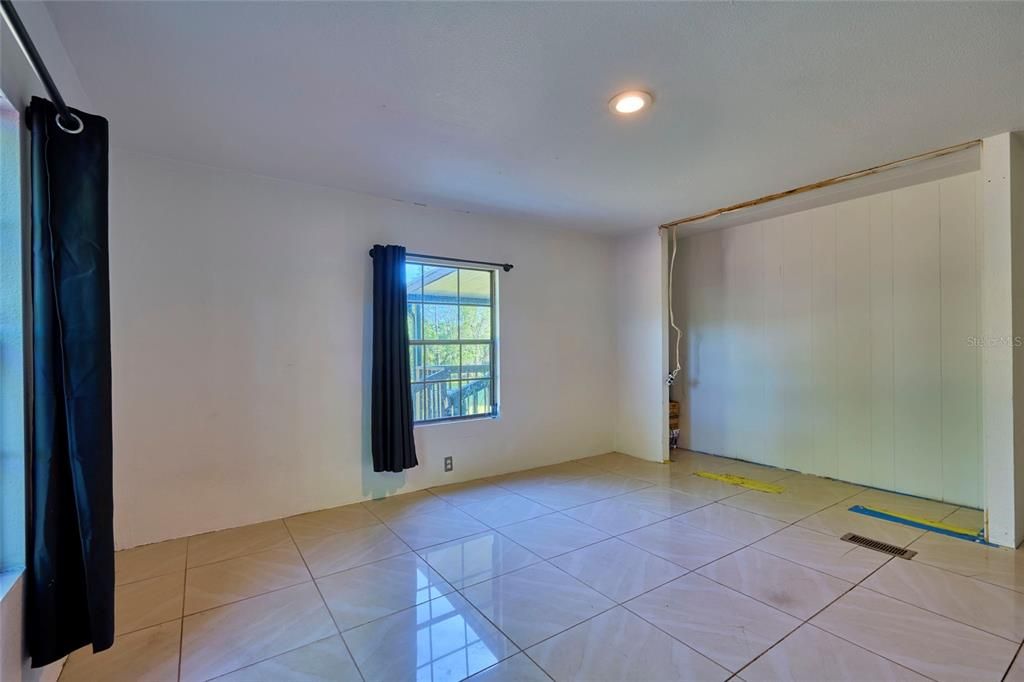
point(607, 568)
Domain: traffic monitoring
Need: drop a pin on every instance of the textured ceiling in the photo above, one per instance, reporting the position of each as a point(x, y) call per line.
point(501, 107)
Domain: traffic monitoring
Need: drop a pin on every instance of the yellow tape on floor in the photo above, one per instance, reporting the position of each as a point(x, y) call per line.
point(743, 481)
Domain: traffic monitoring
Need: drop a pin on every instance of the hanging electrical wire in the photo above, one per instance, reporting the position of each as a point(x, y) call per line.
point(671, 311)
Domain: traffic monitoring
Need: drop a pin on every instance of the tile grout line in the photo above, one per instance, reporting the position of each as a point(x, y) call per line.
point(264, 660)
point(853, 585)
point(1012, 661)
point(516, 644)
point(326, 606)
point(257, 662)
point(277, 589)
point(807, 621)
point(181, 630)
point(689, 571)
point(497, 529)
point(936, 613)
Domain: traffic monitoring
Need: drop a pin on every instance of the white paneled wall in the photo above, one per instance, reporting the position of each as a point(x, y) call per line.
point(837, 341)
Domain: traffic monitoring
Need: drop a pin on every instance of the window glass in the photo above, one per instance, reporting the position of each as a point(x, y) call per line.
point(452, 353)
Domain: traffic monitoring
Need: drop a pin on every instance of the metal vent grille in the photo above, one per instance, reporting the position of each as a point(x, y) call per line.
point(879, 546)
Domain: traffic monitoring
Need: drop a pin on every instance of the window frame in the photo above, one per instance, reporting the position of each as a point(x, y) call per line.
point(492, 272)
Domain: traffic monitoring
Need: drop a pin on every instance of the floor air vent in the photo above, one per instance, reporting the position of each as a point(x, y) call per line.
point(879, 546)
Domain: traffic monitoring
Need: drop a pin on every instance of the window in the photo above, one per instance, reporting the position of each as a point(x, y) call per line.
point(452, 351)
point(12, 386)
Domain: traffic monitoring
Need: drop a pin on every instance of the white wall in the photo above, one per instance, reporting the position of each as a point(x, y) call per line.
point(837, 341)
point(641, 419)
point(1002, 328)
point(240, 343)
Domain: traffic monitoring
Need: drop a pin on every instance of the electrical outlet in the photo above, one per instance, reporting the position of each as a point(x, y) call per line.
point(448, 464)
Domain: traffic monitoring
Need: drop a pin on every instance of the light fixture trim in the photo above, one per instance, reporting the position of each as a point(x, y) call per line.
point(630, 102)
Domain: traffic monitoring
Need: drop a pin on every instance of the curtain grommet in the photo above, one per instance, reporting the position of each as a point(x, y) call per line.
point(70, 131)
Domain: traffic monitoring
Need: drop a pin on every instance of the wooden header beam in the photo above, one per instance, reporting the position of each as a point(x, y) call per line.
point(823, 183)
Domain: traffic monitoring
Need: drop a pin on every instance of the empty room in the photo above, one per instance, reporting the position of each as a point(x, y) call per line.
point(511, 341)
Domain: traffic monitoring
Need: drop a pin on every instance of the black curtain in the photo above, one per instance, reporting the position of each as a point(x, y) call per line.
point(70, 588)
point(391, 403)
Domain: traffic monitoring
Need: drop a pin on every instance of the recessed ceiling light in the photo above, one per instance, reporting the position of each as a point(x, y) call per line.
point(630, 102)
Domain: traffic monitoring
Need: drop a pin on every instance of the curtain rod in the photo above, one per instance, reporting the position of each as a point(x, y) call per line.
point(10, 15)
point(504, 266)
point(820, 184)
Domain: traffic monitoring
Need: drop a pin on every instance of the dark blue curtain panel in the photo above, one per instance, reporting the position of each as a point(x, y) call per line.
point(391, 403)
point(70, 549)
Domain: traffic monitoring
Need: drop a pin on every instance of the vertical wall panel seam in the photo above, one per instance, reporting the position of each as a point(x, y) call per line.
point(979, 488)
point(871, 345)
point(835, 341)
point(942, 362)
point(892, 341)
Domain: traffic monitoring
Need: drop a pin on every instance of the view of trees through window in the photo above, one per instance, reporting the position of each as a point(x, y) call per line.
point(451, 336)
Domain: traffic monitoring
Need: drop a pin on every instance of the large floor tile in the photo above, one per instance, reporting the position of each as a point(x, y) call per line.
point(813, 655)
point(536, 479)
point(757, 472)
point(688, 461)
point(476, 558)
point(536, 602)
point(572, 469)
point(333, 553)
point(444, 639)
point(565, 494)
point(825, 553)
point(329, 521)
point(810, 487)
point(235, 542)
point(327, 659)
point(613, 516)
point(681, 543)
point(372, 591)
point(652, 472)
point(838, 520)
point(780, 506)
point(554, 534)
point(945, 614)
point(503, 510)
point(925, 642)
point(518, 668)
point(965, 517)
point(730, 522)
point(434, 527)
point(789, 587)
point(230, 637)
point(996, 565)
point(617, 569)
point(149, 655)
point(406, 504)
point(542, 477)
point(707, 488)
point(618, 645)
point(903, 504)
point(235, 579)
point(664, 501)
point(461, 494)
point(985, 606)
point(608, 460)
point(150, 561)
point(1016, 671)
point(148, 602)
point(614, 484)
point(724, 625)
